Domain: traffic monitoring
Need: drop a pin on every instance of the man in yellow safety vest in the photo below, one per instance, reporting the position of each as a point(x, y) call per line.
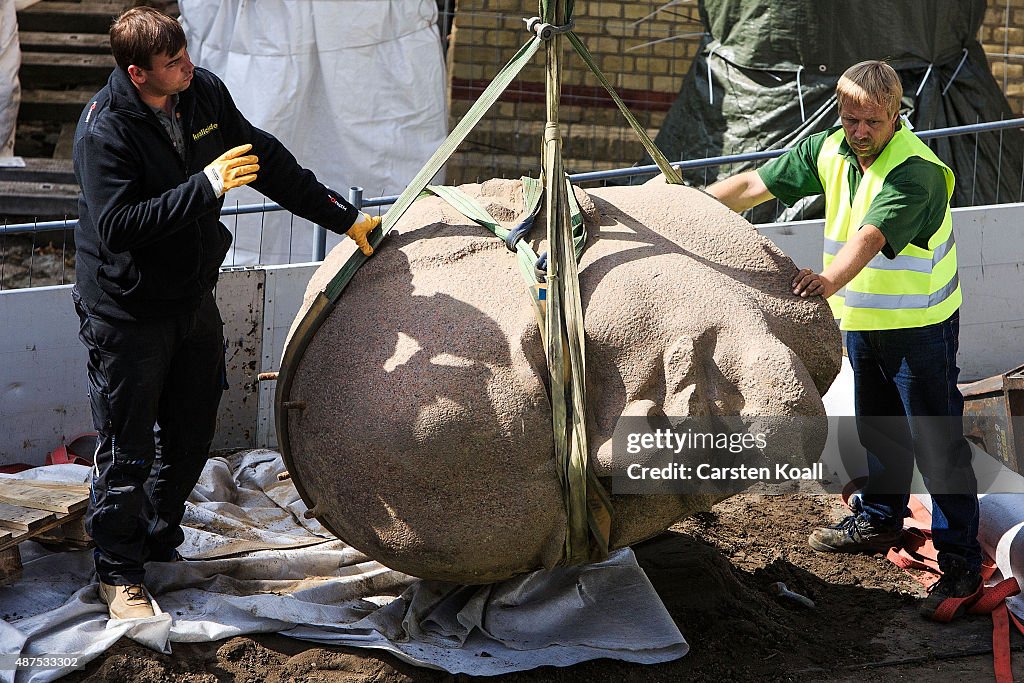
point(890, 275)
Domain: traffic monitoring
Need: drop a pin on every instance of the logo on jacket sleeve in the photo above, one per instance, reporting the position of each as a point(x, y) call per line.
point(204, 131)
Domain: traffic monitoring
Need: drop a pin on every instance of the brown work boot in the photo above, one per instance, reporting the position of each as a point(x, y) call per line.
point(126, 602)
point(855, 534)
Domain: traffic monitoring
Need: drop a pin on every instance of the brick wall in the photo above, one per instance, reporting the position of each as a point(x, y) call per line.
point(644, 50)
point(1002, 35)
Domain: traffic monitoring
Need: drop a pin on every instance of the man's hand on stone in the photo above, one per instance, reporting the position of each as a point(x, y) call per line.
point(808, 283)
point(363, 225)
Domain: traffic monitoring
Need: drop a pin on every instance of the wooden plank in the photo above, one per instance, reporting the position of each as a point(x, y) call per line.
point(50, 41)
point(65, 141)
point(70, 534)
point(40, 170)
point(38, 199)
point(69, 60)
point(53, 105)
point(75, 530)
point(25, 494)
point(22, 519)
point(83, 487)
point(43, 69)
point(10, 564)
point(54, 535)
point(91, 17)
point(55, 520)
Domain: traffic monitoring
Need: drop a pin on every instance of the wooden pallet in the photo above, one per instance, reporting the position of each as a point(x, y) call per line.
point(65, 59)
point(71, 17)
point(50, 200)
point(43, 511)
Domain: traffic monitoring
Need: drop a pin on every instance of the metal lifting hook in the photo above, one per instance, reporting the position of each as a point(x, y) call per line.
point(547, 31)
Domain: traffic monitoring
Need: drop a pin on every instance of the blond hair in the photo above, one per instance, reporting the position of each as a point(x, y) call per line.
point(870, 83)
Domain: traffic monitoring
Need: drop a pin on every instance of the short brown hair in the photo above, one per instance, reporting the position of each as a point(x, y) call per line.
point(871, 82)
point(140, 33)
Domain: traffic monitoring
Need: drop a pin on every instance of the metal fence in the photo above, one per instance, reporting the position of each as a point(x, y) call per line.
point(41, 253)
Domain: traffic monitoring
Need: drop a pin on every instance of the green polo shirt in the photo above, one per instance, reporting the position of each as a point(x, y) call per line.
point(908, 209)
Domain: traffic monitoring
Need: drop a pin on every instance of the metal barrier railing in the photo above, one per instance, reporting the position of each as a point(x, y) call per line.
point(591, 176)
point(356, 193)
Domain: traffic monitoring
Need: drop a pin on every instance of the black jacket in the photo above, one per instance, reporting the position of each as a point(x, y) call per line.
point(149, 238)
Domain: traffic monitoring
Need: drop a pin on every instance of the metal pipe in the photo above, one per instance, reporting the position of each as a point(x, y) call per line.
point(23, 228)
point(319, 242)
point(355, 196)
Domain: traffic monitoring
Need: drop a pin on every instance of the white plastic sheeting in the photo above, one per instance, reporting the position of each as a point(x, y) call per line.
point(258, 566)
point(10, 87)
point(1001, 535)
point(355, 89)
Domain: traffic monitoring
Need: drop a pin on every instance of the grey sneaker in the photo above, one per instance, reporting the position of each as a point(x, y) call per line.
point(957, 581)
point(855, 534)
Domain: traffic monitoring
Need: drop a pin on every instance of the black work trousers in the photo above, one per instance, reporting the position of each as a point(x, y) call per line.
point(154, 387)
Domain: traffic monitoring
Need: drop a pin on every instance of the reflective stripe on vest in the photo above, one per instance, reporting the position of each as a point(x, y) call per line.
point(920, 286)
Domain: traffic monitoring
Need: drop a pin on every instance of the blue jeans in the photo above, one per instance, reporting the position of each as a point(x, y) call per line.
point(910, 409)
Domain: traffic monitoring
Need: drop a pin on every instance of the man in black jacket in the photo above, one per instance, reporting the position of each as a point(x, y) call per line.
point(155, 151)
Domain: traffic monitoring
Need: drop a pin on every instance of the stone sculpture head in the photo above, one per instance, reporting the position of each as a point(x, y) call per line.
point(426, 441)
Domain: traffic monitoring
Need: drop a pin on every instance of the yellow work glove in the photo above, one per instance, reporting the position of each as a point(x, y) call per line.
point(363, 225)
point(231, 169)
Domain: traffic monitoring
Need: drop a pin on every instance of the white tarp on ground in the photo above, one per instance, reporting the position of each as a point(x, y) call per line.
point(355, 89)
point(314, 588)
point(10, 87)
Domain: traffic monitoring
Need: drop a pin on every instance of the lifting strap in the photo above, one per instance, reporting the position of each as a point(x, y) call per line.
point(532, 266)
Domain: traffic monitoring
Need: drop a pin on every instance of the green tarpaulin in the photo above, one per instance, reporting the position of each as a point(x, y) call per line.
point(766, 73)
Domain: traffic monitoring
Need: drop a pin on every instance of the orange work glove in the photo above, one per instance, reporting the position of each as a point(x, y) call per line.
point(231, 169)
point(363, 225)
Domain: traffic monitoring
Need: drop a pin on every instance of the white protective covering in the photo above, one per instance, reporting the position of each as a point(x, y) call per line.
point(10, 87)
point(355, 89)
point(256, 565)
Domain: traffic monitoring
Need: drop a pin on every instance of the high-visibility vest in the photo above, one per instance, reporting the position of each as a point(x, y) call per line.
point(920, 286)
